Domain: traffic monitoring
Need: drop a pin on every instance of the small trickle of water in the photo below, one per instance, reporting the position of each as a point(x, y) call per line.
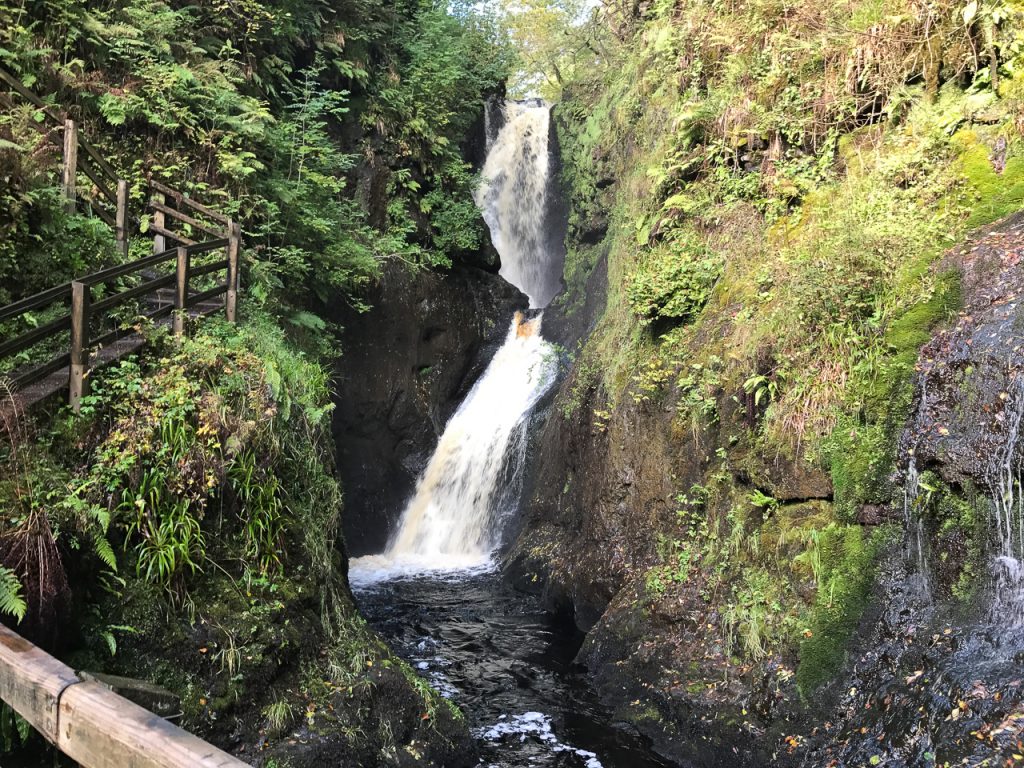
point(1005, 485)
point(473, 478)
point(919, 581)
point(514, 201)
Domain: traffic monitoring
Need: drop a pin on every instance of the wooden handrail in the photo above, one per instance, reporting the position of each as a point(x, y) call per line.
point(27, 339)
point(120, 270)
point(176, 214)
point(182, 199)
point(41, 299)
point(90, 723)
point(159, 230)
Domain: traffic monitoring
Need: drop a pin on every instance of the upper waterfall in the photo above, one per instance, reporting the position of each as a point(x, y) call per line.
point(515, 201)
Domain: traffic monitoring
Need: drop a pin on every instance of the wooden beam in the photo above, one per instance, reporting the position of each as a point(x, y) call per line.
point(99, 729)
point(121, 218)
point(26, 94)
point(234, 243)
point(157, 225)
point(79, 344)
point(97, 180)
point(32, 682)
point(186, 200)
point(70, 168)
point(90, 723)
point(181, 292)
point(165, 234)
point(207, 228)
point(97, 158)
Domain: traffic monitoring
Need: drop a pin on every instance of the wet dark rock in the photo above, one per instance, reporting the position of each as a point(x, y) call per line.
point(599, 496)
point(874, 514)
point(966, 374)
point(936, 679)
point(406, 365)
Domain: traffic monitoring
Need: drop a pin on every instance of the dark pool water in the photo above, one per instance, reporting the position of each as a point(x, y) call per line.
point(508, 665)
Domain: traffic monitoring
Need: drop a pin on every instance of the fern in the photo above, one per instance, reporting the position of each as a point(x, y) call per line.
point(11, 600)
point(105, 552)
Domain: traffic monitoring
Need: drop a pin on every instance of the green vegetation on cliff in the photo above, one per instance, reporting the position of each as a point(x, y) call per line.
point(186, 527)
point(332, 133)
point(773, 185)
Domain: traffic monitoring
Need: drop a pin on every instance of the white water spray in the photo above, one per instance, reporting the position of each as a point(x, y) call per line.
point(453, 521)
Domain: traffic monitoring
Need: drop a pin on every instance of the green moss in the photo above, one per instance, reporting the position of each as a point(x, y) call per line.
point(957, 522)
point(912, 330)
point(848, 559)
point(991, 195)
point(861, 460)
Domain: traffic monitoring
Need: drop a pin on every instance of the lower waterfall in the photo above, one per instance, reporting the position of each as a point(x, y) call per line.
point(453, 520)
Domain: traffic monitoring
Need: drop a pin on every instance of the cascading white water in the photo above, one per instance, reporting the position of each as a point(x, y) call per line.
point(453, 521)
point(514, 201)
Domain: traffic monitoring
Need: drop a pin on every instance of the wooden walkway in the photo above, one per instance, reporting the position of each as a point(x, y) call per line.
point(100, 319)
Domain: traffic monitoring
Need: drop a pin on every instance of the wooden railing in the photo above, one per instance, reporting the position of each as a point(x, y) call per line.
point(108, 200)
point(88, 722)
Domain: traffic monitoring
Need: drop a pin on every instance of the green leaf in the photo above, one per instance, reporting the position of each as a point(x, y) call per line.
point(105, 552)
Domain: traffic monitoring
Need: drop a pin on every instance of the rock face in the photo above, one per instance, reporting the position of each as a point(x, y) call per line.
point(603, 504)
point(936, 680)
point(407, 363)
point(970, 387)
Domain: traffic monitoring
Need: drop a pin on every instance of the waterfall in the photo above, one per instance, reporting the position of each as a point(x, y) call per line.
point(916, 553)
point(515, 205)
point(472, 481)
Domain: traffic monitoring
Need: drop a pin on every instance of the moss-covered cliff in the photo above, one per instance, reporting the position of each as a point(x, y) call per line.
point(770, 188)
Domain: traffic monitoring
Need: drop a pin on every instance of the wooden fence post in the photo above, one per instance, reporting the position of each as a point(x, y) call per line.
point(121, 218)
point(181, 292)
point(234, 241)
point(70, 171)
point(159, 242)
point(80, 301)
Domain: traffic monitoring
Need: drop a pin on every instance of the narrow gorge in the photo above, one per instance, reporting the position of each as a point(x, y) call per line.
point(576, 384)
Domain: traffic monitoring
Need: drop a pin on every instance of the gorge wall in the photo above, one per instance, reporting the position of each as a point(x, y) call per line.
point(719, 495)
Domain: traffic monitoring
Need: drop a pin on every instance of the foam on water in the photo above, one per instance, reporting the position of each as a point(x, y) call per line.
point(365, 572)
point(535, 726)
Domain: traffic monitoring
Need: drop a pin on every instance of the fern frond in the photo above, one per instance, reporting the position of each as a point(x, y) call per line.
point(11, 600)
point(105, 552)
